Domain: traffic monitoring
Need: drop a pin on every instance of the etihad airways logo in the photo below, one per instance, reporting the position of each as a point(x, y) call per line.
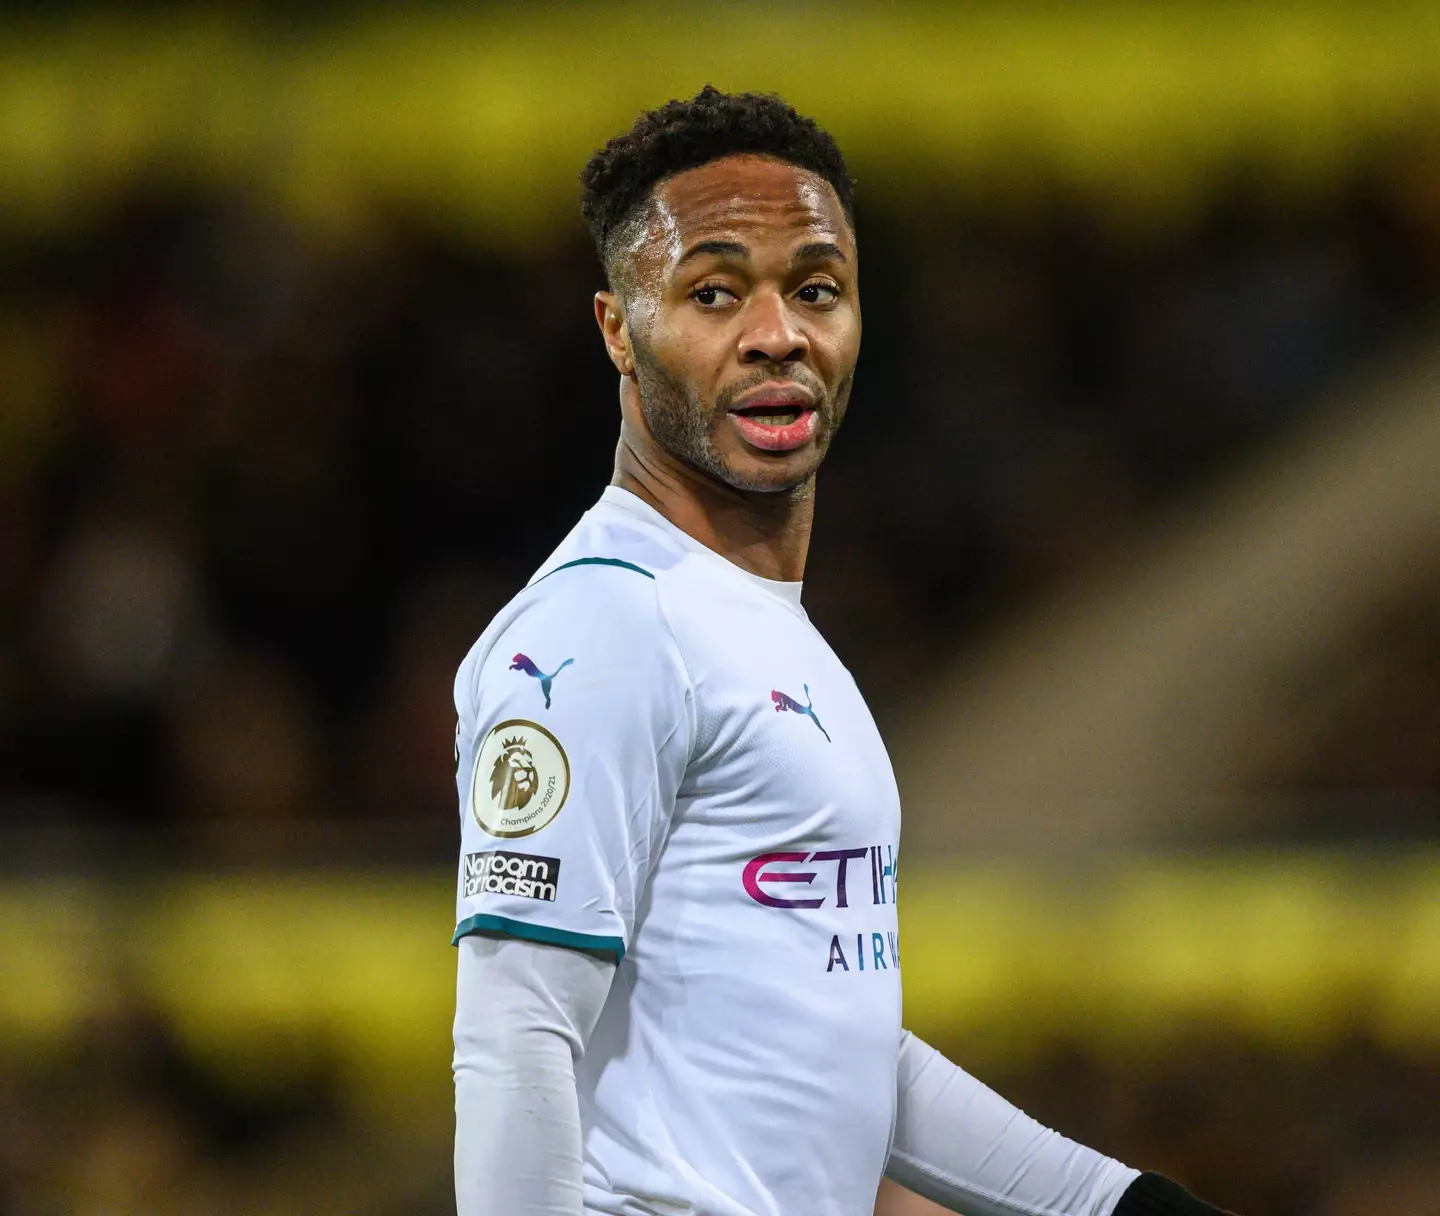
point(833, 875)
point(837, 874)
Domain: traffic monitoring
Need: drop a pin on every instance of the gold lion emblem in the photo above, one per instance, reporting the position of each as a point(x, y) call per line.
point(513, 780)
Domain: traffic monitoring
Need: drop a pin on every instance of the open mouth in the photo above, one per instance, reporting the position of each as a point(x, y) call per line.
point(776, 426)
point(773, 415)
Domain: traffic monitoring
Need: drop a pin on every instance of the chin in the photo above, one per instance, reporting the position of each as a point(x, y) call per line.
point(767, 477)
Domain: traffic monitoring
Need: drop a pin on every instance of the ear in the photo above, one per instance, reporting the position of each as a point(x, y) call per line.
point(615, 330)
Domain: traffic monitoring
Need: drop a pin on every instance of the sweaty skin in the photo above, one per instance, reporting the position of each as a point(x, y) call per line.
point(741, 288)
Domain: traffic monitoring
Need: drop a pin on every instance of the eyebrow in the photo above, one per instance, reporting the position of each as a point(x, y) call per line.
point(719, 248)
point(817, 251)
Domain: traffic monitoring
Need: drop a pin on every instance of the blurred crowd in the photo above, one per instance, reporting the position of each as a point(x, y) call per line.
point(1352, 1132)
point(263, 486)
point(123, 1122)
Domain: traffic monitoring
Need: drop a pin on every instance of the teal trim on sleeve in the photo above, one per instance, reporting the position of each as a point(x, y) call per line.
point(538, 933)
point(596, 561)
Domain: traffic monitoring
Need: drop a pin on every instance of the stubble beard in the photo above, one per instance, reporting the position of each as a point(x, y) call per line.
point(685, 426)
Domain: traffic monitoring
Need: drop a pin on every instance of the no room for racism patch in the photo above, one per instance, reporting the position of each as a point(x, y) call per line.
point(522, 874)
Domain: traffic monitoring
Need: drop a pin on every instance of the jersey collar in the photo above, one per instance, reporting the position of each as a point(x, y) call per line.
point(635, 506)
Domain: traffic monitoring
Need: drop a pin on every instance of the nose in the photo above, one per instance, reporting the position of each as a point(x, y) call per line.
point(771, 335)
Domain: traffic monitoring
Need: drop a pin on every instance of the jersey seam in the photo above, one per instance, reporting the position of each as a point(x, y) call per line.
point(644, 809)
point(689, 676)
point(650, 797)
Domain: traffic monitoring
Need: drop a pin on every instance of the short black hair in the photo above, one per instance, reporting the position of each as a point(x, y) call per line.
point(681, 135)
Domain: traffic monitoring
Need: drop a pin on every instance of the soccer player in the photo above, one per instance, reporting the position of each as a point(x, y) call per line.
point(679, 971)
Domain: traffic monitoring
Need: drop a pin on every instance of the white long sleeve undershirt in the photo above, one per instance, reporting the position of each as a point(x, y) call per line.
point(963, 1146)
point(524, 1012)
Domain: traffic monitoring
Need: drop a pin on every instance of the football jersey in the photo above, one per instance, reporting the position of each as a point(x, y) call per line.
point(659, 757)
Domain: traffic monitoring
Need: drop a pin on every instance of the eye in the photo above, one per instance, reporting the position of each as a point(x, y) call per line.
point(819, 293)
point(711, 295)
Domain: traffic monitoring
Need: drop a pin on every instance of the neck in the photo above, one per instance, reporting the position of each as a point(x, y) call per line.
point(767, 534)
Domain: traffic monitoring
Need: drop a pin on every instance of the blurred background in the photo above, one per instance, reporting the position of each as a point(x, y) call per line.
point(1132, 541)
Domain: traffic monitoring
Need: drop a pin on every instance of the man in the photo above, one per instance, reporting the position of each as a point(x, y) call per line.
point(679, 976)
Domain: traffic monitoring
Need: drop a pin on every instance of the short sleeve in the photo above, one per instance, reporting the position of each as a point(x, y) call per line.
point(576, 720)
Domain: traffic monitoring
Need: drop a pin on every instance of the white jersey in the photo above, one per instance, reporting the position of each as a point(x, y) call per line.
point(659, 757)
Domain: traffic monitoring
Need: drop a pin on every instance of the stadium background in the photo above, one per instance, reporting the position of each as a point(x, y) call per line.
point(1133, 541)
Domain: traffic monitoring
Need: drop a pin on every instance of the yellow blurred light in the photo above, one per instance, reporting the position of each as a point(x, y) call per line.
point(484, 118)
point(257, 972)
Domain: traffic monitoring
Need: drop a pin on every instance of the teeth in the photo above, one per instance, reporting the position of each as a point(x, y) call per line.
point(782, 418)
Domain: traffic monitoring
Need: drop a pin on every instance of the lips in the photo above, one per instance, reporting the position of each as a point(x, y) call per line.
point(776, 418)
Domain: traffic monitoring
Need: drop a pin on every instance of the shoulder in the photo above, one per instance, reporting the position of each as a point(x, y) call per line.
point(598, 602)
point(609, 537)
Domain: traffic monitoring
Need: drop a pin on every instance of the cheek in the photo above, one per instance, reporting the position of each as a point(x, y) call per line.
point(690, 336)
point(836, 347)
point(697, 355)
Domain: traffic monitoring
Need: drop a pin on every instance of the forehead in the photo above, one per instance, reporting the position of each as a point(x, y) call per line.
point(747, 198)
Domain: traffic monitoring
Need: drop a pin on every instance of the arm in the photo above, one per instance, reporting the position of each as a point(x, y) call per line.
point(964, 1147)
point(566, 794)
point(569, 788)
point(961, 1145)
point(523, 1013)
